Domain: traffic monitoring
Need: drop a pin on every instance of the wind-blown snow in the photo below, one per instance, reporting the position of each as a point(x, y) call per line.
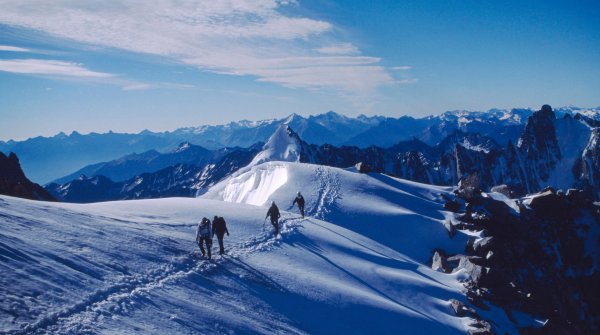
point(255, 188)
point(356, 264)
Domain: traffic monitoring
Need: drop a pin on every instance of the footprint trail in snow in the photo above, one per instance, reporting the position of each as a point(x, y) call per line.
point(122, 296)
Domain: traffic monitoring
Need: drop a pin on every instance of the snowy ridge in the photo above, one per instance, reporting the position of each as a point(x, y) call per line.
point(350, 200)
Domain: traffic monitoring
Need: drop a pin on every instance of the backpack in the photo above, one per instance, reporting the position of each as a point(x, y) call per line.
point(219, 224)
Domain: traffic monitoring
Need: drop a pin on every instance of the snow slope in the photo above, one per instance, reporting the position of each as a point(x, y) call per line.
point(357, 265)
point(573, 136)
point(403, 215)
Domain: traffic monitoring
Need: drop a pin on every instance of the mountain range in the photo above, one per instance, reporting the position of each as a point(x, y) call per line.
point(409, 256)
point(560, 152)
point(200, 169)
point(47, 159)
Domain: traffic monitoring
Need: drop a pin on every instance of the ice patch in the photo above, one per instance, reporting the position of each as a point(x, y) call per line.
point(257, 186)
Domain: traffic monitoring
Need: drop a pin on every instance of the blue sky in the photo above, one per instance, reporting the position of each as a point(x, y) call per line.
point(133, 65)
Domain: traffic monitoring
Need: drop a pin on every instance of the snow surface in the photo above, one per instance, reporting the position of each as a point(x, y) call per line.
point(356, 264)
point(401, 214)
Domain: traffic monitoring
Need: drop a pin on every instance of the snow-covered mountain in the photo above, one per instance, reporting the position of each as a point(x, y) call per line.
point(48, 158)
point(551, 151)
point(358, 263)
point(283, 145)
point(180, 179)
point(129, 166)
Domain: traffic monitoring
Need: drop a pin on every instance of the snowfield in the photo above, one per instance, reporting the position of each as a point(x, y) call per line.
point(356, 264)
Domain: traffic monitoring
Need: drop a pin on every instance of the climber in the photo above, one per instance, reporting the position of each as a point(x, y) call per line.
point(274, 214)
point(300, 200)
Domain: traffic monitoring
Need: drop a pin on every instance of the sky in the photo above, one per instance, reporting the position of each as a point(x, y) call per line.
point(126, 66)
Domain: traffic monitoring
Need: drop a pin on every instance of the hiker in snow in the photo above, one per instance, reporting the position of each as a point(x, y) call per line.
point(274, 214)
point(300, 200)
point(203, 235)
point(220, 227)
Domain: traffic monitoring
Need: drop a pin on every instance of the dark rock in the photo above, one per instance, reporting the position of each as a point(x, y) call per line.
point(573, 194)
point(469, 186)
point(536, 260)
point(580, 197)
point(452, 206)
point(13, 181)
point(363, 167)
point(475, 298)
point(538, 146)
point(547, 203)
point(498, 209)
point(482, 246)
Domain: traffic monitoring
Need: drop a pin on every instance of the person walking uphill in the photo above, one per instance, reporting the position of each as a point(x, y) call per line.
point(203, 235)
point(220, 227)
point(300, 200)
point(274, 214)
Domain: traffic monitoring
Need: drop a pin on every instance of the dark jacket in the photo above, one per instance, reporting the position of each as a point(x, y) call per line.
point(273, 212)
point(219, 226)
point(300, 200)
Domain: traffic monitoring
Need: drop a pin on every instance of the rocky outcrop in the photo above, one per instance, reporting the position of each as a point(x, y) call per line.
point(13, 181)
point(541, 260)
point(539, 148)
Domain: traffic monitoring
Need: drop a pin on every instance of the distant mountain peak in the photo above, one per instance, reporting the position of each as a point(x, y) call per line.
point(183, 146)
point(333, 116)
point(291, 118)
point(283, 145)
